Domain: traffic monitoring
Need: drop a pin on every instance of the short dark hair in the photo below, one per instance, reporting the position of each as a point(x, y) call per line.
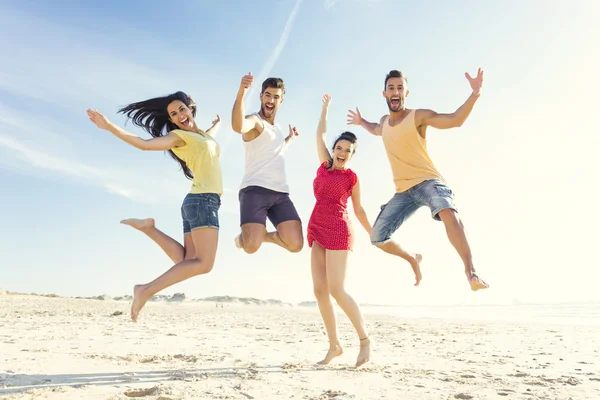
point(394, 74)
point(276, 83)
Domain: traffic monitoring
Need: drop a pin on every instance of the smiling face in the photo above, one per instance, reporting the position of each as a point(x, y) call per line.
point(342, 153)
point(181, 115)
point(395, 93)
point(270, 100)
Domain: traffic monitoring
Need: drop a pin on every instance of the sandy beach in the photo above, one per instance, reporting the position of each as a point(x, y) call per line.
point(64, 348)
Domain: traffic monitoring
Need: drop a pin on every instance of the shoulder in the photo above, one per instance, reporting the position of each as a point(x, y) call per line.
point(180, 136)
point(421, 114)
point(382, 119)
point(353, 177)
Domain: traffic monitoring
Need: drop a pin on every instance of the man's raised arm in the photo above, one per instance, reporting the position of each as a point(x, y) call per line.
point(239, 122)
point(458, 117)
point(355, 118)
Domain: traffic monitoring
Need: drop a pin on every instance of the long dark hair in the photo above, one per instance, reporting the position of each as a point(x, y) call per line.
point(152, 116)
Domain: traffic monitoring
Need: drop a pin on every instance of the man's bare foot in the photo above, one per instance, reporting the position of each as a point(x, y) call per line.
point(416, 267)
point(238, 241)
point(331, 354)
point(139, 299)
point(477, 283)
point(139, 224)
point(364, 355)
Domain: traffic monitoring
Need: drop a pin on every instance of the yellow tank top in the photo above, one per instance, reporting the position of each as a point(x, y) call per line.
point(407, 153)
point(201, 154)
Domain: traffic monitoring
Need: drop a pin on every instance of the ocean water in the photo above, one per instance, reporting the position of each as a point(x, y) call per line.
point(587, 314)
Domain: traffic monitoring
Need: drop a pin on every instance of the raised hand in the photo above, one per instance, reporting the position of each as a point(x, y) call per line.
point(292, 135)
point(247, 81)
point(354, 118)
point(217, 120)
point(98, 119)
point(477, 82)
point(326, 100)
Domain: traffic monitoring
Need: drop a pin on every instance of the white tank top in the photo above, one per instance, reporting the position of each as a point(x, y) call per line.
point(265, 162)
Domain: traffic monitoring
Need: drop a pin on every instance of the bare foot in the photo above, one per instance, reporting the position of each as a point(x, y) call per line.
point(331, 354)
point(139, 224)
point(364, 354)
point(238, 241)
point(416, 267)
point(477, 283)
point(139, 299)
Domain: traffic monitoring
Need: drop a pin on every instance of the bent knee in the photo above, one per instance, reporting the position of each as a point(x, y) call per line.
point(202, 266)
point(251, 247)
point(296, 247)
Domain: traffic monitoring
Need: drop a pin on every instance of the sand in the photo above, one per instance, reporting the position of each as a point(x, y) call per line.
point(62, 348)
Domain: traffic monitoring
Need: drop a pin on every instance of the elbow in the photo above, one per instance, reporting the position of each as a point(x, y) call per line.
point(237, 127)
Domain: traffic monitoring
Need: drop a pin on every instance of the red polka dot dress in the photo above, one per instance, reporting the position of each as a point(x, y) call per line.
point(329, 224)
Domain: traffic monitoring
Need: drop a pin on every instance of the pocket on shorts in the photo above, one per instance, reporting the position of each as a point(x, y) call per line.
point(444, 191)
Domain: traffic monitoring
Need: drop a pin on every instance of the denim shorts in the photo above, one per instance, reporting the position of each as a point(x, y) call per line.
point(433, 193)
point(200, 210)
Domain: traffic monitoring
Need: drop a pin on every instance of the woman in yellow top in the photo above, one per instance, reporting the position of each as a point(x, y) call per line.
point(170, 121)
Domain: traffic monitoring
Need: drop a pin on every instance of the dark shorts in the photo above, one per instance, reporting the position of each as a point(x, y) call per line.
point(200, 210)
point(257, 204)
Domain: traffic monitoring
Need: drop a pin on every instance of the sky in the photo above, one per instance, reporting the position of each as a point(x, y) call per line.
point(522, 166)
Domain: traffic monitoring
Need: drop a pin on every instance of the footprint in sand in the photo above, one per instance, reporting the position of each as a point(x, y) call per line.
point(463, 396)
point(142, 392)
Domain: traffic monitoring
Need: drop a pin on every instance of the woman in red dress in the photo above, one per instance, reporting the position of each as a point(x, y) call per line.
point(330, 235)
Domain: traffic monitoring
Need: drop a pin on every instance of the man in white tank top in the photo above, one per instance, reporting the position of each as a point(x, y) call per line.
point(264, 192)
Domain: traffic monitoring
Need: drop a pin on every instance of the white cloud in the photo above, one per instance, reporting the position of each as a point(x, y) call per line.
point(330, 3)
point(117, 182)
point(268, 66)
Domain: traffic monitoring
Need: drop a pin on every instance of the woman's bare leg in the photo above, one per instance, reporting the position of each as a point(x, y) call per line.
point(205, 244)
point(170, 246)
point(337, 264)
point(321, 290)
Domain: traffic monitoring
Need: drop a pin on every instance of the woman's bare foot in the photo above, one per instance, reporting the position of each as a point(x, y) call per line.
point(476, 282)
point(364, 354)
point(331, 354)
point(139, 224)
point(139, 299)
point(416, 267)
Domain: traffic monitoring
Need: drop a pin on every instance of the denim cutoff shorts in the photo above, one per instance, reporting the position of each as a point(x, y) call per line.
point(200, 210)
point(433, 193)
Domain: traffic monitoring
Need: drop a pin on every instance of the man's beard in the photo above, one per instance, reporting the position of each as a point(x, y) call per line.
point(400, 105)
point(263, 109)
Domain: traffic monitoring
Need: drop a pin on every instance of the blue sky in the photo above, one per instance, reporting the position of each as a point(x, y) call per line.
point(522, 166)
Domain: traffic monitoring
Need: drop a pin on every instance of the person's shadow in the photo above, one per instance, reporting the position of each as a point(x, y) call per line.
point(17, 383)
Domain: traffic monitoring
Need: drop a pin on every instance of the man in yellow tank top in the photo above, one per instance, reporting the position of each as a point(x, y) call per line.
point(417, 180)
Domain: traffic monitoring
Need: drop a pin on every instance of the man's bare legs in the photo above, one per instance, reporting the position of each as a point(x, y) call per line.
point(458, 238)
point(321, 290)
point(199, 262)
point(392, 247)
point(288, 235)
point(170, 246)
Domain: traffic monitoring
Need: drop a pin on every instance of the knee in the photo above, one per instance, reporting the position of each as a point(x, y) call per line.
point(251, 247)
point(202, 266)
point(321, 293)
point(338, 292)
point(296, 246)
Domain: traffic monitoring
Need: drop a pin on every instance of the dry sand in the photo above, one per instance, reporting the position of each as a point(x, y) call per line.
point(61, 348)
